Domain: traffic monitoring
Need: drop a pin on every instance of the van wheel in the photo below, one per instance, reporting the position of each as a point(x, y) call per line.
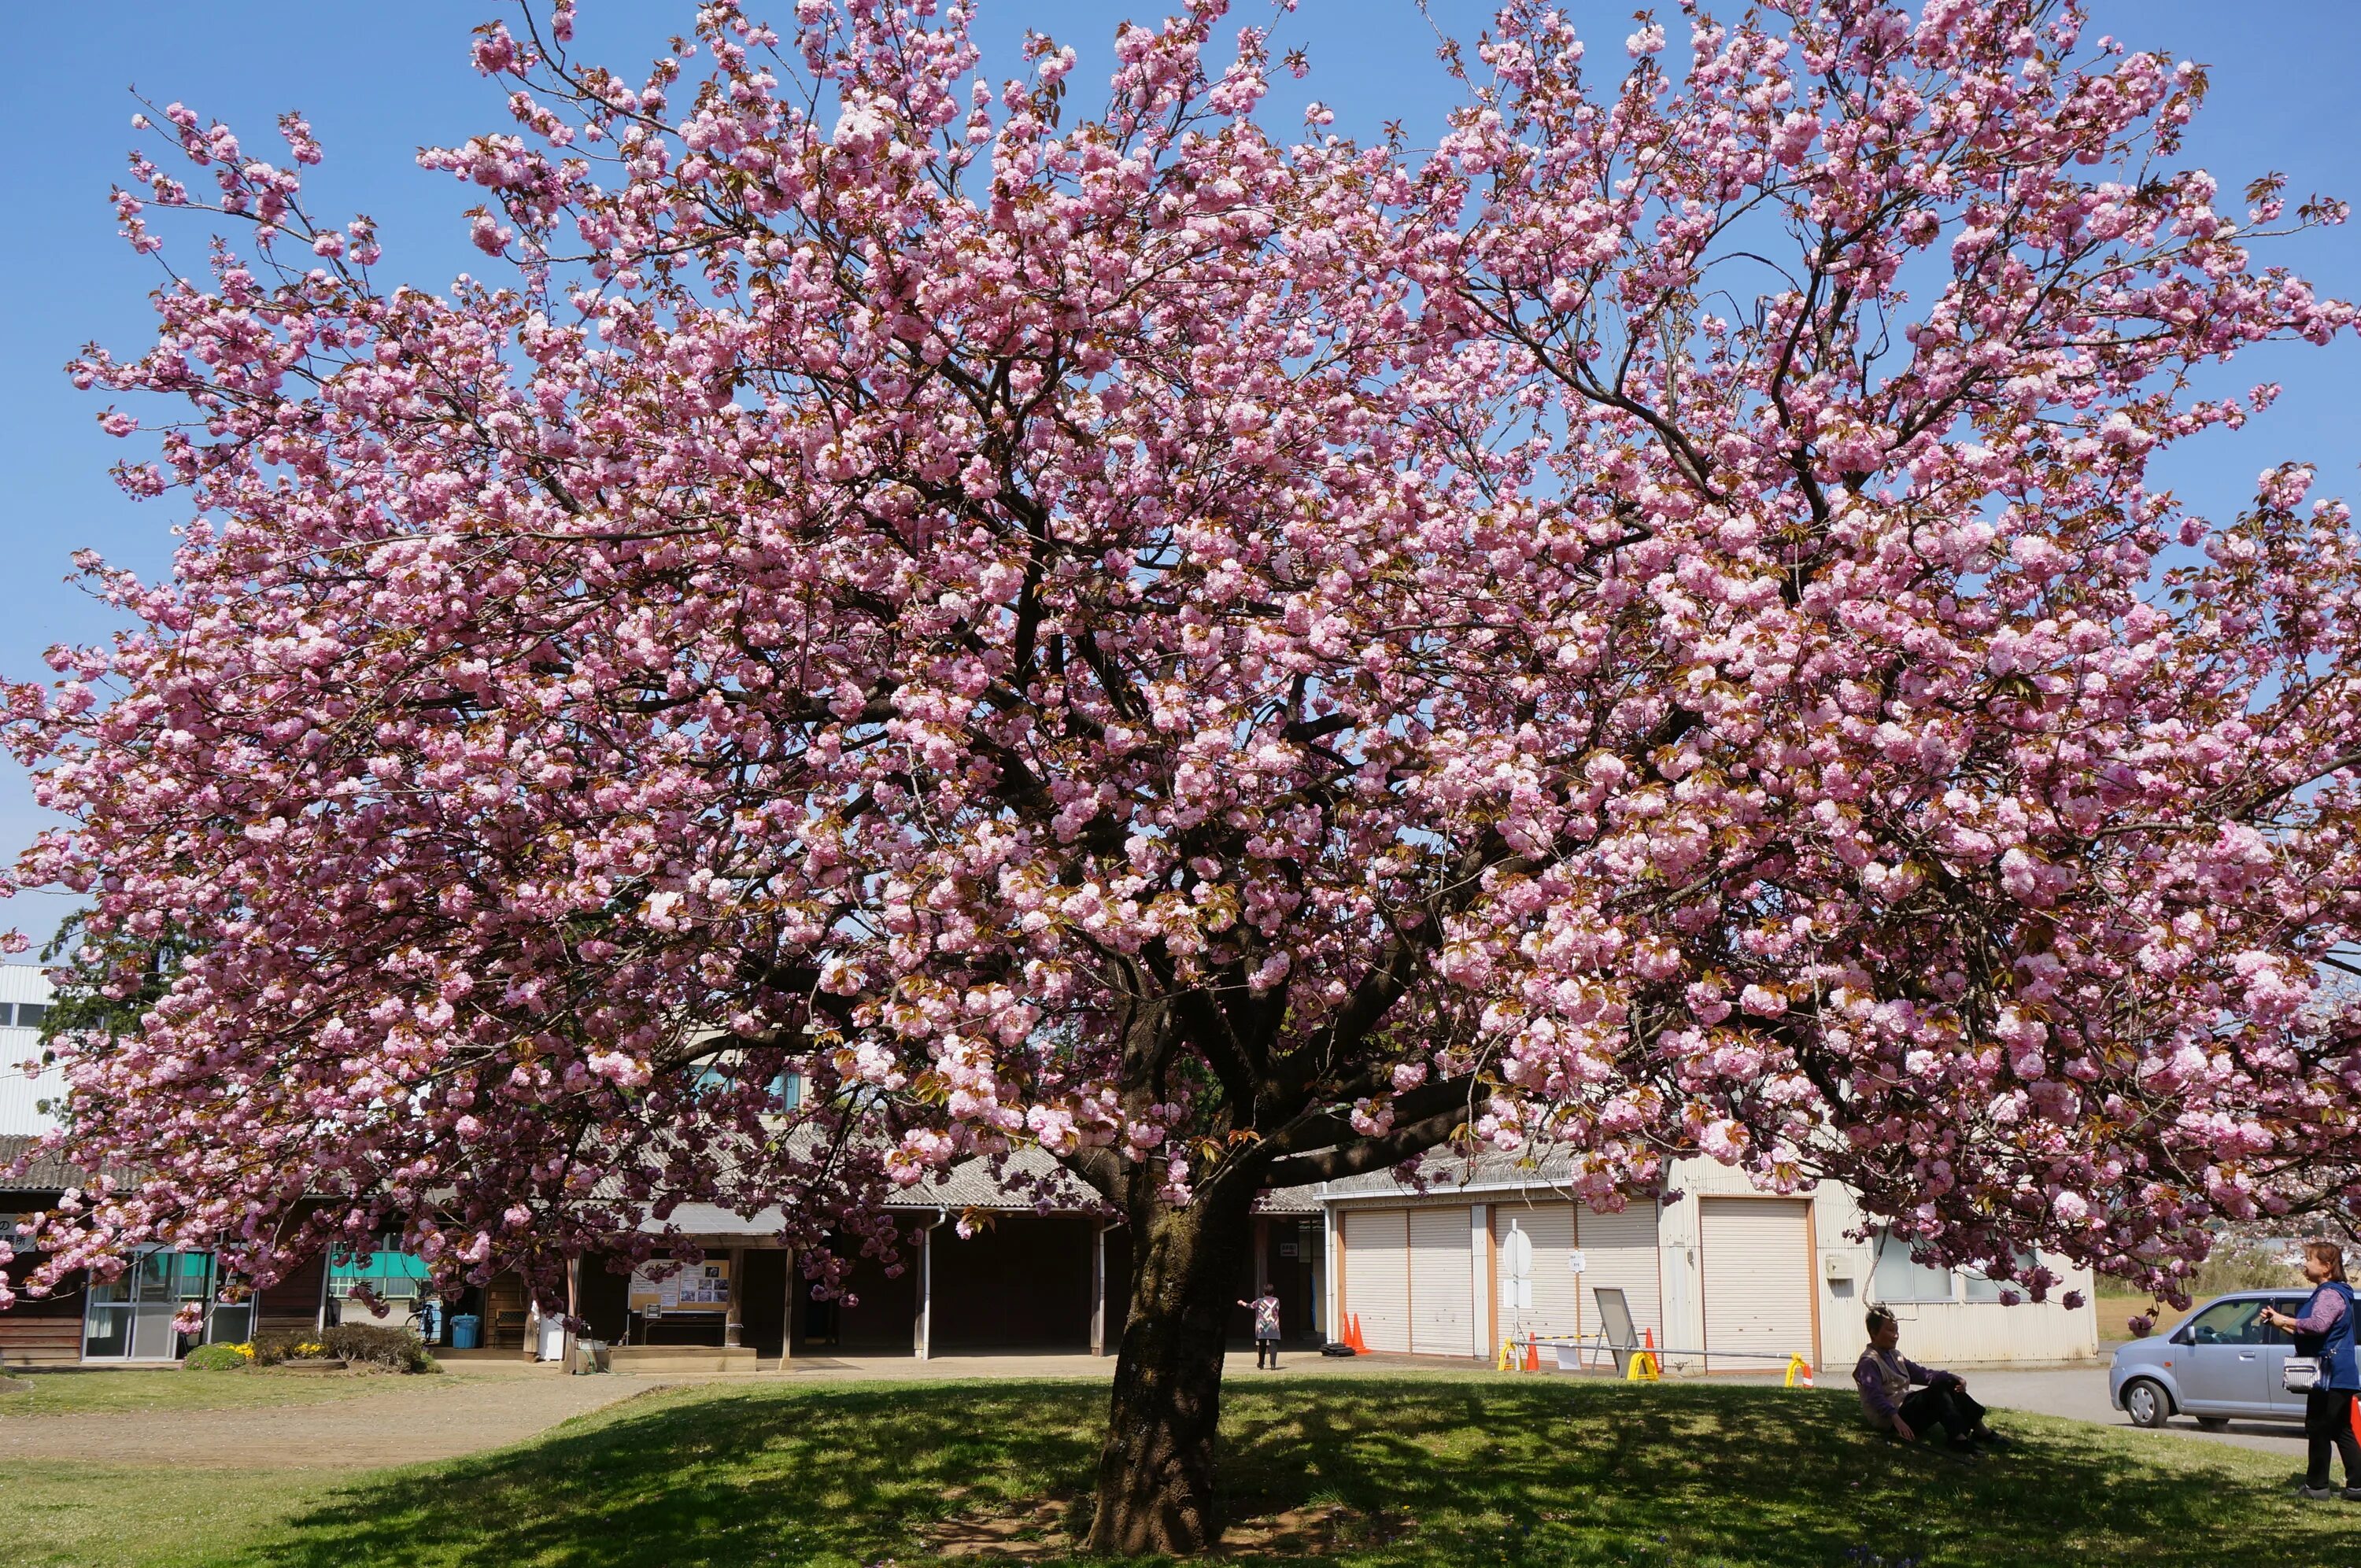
point(2146, 1403)
point(2212, 1424)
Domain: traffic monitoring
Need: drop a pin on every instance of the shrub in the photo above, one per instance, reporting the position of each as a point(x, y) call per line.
point(2242, 1266)
point(397, 1350)
point(218, 1358)
point(359, 1344)
point(286, 1344)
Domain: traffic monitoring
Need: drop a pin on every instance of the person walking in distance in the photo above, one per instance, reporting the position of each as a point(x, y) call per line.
point(2324, 1330)
point(1264, 1307)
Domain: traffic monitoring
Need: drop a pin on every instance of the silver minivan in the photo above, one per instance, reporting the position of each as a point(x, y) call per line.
point(2222, 1364)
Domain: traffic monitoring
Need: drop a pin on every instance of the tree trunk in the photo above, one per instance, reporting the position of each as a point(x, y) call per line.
point(1156, 1491)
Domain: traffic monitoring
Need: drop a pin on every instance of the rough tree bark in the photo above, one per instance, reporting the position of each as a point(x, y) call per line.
point(1156, 1485)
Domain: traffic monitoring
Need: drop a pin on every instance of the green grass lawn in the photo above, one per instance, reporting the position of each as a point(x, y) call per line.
point(68, 1390)
point(1475, 1470)
point(103, 1516)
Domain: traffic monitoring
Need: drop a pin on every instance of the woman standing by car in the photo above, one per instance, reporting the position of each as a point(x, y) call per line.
point(2324, 1330)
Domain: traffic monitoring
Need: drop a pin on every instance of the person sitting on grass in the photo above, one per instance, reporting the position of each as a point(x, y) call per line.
point(1884, 1376)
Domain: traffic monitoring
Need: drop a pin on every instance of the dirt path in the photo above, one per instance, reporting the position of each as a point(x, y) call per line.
point(440, 1417)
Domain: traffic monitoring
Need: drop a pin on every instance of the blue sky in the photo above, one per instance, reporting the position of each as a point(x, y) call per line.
point(379, 81)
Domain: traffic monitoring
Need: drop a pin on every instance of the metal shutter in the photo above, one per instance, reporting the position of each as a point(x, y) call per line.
point(1619, 1253)
point(1758, 1280)
point(1377, 1275)
point(1555, 1311)
point(1442, 1282)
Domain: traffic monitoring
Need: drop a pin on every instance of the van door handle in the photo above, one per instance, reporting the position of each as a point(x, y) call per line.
point(2246, 1355)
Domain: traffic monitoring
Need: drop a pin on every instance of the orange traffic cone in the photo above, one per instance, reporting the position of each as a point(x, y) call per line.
point(1353, 1334)
point(1532, 1356)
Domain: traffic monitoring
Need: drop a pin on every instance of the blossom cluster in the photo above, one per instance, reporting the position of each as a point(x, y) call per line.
point(1223, 659)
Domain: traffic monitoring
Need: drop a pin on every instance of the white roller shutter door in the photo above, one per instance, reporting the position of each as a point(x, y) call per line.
point(1757, 1268)
point(1619, 1253)
point(1377, 1275)
point(1557, 1311)
point(1441, 1278)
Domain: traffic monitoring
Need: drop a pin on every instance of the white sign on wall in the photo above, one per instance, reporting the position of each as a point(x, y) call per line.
point(1516, 1269)
point(1574, 1262)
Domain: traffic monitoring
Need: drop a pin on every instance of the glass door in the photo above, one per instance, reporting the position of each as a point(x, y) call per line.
point(107, 1323)
point(130, 1319)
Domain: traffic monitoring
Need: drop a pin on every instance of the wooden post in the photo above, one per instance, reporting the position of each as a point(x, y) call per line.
point(573, 1311)
point(733, 1317)
point(923, 1341)
point(1480, 1232)
point(1098, 1287)
point(1488, 1317)
point(1333, 1254)
point(787, 1316)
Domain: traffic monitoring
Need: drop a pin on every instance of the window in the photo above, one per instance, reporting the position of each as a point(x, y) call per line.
point(1981, 1288)
point(2229, 1322)
point(1899, 1276)
point(7, 1015)
point(134, 1315)
point(2293, 1306)
point(395, 1277)
point(787, 1091)
point(31, 1014)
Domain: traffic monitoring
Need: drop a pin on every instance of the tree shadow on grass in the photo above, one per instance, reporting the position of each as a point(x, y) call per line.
point(1552, 1473)
point(1510, 1472)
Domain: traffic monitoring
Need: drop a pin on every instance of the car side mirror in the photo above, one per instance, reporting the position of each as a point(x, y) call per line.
point(2185, 1334)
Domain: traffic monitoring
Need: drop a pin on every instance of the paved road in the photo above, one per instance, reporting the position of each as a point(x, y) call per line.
point(2080, 1394)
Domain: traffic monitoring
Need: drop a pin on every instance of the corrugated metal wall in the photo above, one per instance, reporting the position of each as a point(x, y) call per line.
point(1377, 1275)
point(20, 1091)
point(1442, 1282)
point(1550, 1226)
point(1757, 1266)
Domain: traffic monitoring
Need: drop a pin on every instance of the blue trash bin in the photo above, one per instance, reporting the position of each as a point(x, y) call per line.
point(467, 1331)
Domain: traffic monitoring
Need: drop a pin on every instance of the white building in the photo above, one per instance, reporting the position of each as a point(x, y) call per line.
point(1723, 1279)
point(24, 998)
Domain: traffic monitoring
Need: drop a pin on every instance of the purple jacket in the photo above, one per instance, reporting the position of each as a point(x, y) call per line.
point(2327, 1306)
point(1884, 1376)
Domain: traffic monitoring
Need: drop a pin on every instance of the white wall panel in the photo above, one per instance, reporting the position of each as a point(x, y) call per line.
point(1757, 1266)
point(1619, 1253)
point(1440, 1269)
point(1377, 1275)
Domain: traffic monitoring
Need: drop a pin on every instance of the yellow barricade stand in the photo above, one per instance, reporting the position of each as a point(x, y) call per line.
point(1799, 1372)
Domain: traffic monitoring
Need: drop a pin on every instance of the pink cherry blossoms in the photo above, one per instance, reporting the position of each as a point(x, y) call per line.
point(1644, 628)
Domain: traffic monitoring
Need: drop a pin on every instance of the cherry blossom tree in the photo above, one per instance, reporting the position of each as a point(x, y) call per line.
point(1644, 630)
